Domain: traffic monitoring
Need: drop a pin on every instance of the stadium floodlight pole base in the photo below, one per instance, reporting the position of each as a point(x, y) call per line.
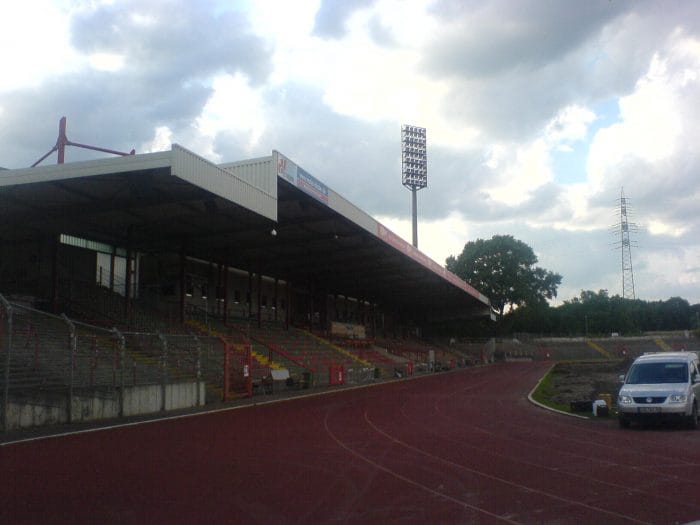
point(414, 208)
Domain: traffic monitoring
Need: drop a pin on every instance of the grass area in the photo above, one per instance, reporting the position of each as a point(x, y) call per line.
point(578, 380)
point(546, 390)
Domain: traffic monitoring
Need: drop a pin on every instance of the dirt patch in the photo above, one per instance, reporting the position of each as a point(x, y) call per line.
point(585, 381)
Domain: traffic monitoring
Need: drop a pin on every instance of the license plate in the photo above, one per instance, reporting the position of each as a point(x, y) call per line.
point(649, 410)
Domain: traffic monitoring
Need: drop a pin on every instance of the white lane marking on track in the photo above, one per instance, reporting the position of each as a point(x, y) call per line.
point(486, 451)
point(410, 481)
point(589, 432)
point(595, 457)
point(684, 437)
point(497, 478)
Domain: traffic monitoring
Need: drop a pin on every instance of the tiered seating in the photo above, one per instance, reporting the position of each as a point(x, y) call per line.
point(364, 349)
point(678, 342)
point(569, 349)
point(308, 352)
point(268, 353)
point(404, 348)
point(636, 346)
point(419, 352)
point(475, 350)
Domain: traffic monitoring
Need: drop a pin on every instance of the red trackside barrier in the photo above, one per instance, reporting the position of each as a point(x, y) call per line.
point(336, 375)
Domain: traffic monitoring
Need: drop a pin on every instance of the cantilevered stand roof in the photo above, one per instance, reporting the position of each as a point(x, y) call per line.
point(160, 202)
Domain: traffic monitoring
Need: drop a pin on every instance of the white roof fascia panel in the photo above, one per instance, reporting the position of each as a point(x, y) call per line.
point(259, 172)
point(87, 168)
point(292, 173)
point(196, 170)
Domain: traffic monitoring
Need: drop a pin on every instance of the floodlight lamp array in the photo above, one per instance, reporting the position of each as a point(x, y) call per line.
point(414, 158)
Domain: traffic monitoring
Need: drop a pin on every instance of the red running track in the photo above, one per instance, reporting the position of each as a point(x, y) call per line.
point(462, 447)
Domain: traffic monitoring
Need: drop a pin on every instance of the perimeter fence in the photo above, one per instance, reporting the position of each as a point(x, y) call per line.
point(54, 369)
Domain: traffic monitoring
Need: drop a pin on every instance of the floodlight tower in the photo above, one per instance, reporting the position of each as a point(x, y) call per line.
point(622, 230)
point(414, 167)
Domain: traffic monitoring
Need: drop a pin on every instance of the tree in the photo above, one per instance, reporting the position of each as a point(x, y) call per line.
point(503, 268)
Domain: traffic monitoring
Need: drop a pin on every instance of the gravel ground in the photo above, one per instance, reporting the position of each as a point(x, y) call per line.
point(585, 381)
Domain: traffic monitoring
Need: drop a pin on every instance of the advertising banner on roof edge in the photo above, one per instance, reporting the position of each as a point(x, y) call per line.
point(397, 242)
point(285, 167)
point(300, 178)
point(310, 185)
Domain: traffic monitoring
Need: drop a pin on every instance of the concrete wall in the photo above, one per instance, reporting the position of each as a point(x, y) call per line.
point(137, 400)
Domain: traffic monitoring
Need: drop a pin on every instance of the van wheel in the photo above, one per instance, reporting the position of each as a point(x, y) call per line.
point(624, 422)
point(693, 418)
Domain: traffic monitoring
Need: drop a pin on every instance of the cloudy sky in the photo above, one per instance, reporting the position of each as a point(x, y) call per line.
point(538, 111)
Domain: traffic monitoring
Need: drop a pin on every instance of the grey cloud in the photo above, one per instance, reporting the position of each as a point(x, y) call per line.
point(165, 82)
point(114, 111)
point(333, 14)
point(512, 66)
point(358, 160)
point(665, 191)
point(585, 259)
point(184, 41)
point(494, 37)
point(362, 162)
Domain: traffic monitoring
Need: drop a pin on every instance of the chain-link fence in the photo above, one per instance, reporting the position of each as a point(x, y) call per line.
point(54, 369)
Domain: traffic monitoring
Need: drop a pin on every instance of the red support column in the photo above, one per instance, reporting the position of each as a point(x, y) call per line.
point(248, 372)
point(62, 140)
point(311, 306)
point(275, 299)
point(111, 269)
point(127, 291)
point(288, 312)
point(250, 294)
point(226, 294)
point(54, 272)
point(227, 370)
point(183, 284)
point(218, 294)
point(259, 299)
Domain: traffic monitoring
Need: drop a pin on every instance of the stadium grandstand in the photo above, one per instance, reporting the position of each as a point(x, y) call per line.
point(159, 281)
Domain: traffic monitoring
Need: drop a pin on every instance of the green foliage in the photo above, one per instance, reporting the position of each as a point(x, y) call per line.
point(598, 314)
point(503, 268)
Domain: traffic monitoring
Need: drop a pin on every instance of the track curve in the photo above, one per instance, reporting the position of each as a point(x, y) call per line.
point(461, 447)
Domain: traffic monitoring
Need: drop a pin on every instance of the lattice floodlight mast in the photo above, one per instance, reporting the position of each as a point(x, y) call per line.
point(622, 230)
point(414, 167)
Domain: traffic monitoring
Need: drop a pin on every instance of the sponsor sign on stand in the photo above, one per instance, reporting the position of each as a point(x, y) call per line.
point(312, 185)
point(397, 242)
point(285, 168)
point(300, 178)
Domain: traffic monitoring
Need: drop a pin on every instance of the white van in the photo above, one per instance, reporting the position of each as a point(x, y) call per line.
point(659, 386)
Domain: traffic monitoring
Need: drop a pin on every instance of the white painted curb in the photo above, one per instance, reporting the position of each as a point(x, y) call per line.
point(532, 400)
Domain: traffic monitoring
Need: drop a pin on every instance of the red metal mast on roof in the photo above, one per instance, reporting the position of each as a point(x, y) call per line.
point(63, 141)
